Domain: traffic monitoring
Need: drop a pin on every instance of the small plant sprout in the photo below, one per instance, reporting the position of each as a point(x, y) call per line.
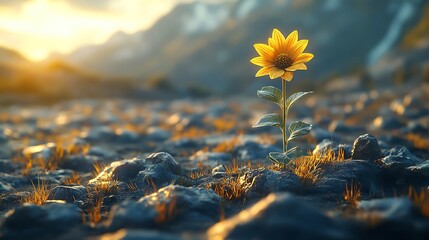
point(281, 58)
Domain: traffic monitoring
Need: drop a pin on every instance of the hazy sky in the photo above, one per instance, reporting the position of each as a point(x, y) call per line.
point(37, 27)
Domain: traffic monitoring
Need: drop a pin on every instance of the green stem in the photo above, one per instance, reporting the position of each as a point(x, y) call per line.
point(284, 130)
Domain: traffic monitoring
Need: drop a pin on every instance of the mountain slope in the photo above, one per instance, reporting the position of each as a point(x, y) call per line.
point(208, 46)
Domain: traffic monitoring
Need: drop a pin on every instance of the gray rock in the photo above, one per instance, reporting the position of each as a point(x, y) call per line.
point(157, 134)
point(135, 234)
point(392, 209)
point(161, 168)
point(399, 158)
point(102, 153)
point(99, 134)
point(67, 193)
point(260, 182)
point(422, 168)
point(212, 158)
point(131, 214)
point(5, 187)
point(252, 150)
point(334, 177)
point(321, 134)
point(126, 136)
point(279, 216)
point(188, 205)
point(342, 128)
point(82, 163)
point(29, 221)
point(389, 122)
point(192, 204)
point(7, 166)
point(366, 147)
point(219, 171)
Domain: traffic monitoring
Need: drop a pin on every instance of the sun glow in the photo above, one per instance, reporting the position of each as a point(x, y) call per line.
point(37, 28)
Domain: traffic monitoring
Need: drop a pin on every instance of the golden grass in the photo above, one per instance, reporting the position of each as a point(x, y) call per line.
point(230, 189)
point(192, 132)
point(420, 200)
point(418, 141)
point(94, 213)
point(132, 187)
point(166, 211)
point(228, 146)
point(308, 168)
point(107, 186)
point(237, 168)
point(26, 162)
point(225, 123)
point(39, 195)
point(59, 154)
point(201, 172)
point(98, 168)
point(352, 194)
point(75, 178)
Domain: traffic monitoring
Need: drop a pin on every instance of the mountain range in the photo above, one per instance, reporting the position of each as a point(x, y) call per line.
point(208, 45)
point(205, 47)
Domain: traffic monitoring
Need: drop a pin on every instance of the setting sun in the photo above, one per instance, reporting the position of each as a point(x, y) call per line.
point(37, 28)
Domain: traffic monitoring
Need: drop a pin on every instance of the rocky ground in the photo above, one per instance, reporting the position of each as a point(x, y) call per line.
point(195, 169)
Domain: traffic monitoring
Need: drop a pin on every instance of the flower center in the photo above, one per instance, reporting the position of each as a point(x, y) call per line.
point(283, 61)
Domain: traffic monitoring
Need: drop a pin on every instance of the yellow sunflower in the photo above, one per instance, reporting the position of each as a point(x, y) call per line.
point(282, 56)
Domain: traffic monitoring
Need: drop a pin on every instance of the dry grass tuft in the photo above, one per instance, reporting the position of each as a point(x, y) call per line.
point(418, 141)
point(106, 187)
point(230, 189)
point(420, 200)
point(225, 123)
point(78, 149)
point(73, 179)
point(59, 154)
point(132, 187)
point(192, 132)
point(229, 145)
point(39, 195)
point(201, 172)
point(166, 211)
point(94, 213)
point(308, 168)
point(98, 168)
point(352, 194)
point(26, 161)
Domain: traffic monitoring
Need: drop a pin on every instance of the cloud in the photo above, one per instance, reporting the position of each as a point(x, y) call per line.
point(12, 3)
point(97, 5)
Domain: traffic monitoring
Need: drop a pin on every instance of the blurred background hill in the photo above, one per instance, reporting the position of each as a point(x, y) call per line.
point(204, 47)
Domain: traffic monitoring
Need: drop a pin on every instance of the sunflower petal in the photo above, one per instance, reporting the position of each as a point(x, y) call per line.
point(287, 76)
point(262, 62)
point(291, 40)
point(265, 51)
point(278, 39)
point(303, 58)
point(299, 66)
point(271, 42)
point(298, 48)
point(263, 71)
point(275, 73)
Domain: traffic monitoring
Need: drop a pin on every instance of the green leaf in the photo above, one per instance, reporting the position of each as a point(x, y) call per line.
point(292, 98)
point(298, 129)
point(295, 153)
point(285, 158)
point(272, 120)
point(271, 93)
